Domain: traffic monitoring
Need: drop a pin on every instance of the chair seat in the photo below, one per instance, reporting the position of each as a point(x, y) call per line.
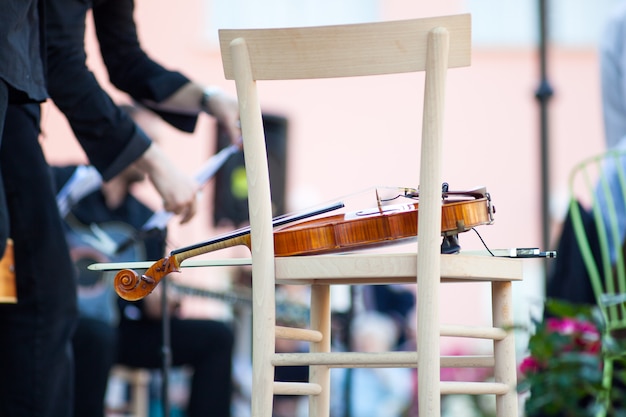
point(387, 268)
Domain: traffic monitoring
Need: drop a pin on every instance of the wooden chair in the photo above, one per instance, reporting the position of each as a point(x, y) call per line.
point(138, 380)
point(432, 45)
point(598, 214)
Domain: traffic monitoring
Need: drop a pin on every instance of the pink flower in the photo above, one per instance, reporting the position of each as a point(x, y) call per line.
point(585, 336)
point(529, 365)
point(570, 326)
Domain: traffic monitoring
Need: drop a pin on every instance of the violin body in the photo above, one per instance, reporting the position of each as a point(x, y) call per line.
point(367, 229)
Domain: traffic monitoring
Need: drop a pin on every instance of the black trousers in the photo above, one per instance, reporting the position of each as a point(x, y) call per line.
point(94, 344)
point(204, 345)
point(36, 375)
point(4, 211)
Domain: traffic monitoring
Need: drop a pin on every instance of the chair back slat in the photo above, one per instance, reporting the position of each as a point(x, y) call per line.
point(602, 178)
point(346, 50)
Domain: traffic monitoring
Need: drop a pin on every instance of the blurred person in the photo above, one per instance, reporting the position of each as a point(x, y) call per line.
point(22, 76)
point(131, 334)
point(112, 330)
point(568, 278)
point(92, 114)
point(28, 385)
point(612, 55)
point(372, 392)
point(36, 378)
point(395, 301)
point(95, 118)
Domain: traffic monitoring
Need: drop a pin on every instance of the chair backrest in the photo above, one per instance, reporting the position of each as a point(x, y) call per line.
point(598, 214)
point(431, 45)
point(346, 50)
point(402, 46)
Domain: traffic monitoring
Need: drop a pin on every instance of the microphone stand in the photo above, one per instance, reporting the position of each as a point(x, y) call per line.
point(166, 350)
point(543, 94)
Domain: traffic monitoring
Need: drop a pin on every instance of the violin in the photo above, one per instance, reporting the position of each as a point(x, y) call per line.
point(327, 234)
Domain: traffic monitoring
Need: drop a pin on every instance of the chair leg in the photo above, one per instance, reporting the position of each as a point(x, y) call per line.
point(139, 380)
point(505, 369)
point(319, 405)
point(263, 348)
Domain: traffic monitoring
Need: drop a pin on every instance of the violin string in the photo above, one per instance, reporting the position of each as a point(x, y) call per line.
point(483, 241)
point(408, 193)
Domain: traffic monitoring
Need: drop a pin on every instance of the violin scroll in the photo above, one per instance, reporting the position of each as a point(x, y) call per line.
point(126, 281)
point(132, 287)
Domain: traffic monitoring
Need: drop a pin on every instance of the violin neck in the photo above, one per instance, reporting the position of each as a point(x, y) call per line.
point(237, 238)
point(242, 236)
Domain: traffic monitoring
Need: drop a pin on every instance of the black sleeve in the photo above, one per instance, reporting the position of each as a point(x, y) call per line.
point(107, 134)
point(130, 68)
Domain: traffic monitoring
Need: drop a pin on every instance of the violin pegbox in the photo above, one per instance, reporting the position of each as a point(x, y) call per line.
point(131, 286)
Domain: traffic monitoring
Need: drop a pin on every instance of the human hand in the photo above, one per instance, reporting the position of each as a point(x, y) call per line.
point(226, 110)
point(176, 188)
point(193, 97)
point(117, 188)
